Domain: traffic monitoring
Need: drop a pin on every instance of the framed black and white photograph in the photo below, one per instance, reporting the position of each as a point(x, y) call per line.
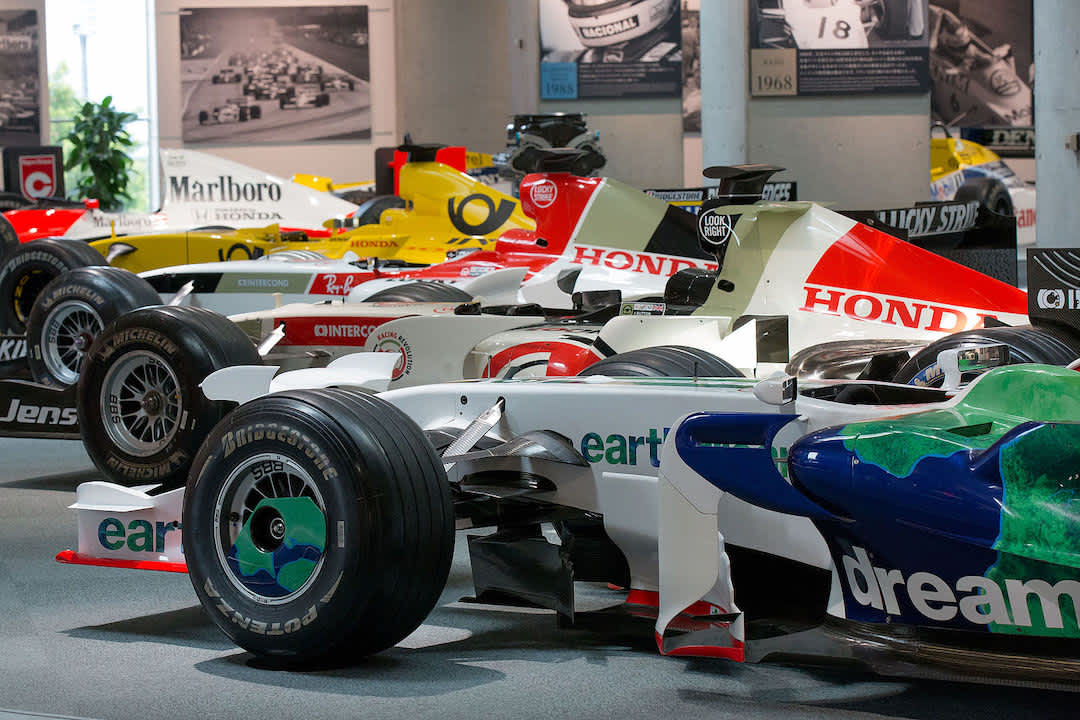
point(838, 47)
point(982, 67)
point(20, 78)
point(691, 65)
point(275, 74)
point(606, 48)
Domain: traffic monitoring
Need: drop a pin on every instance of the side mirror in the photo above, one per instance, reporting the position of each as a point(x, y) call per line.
point(689, 286)
point(777, 390)
point(957, 361)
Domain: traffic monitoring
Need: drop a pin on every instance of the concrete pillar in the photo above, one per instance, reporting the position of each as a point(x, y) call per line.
point(724, 92)
point(1057, 116)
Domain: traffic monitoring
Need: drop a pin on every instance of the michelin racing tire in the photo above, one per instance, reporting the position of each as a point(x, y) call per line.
point(140, 406)
point(71, 311)
point(1027, 344)
point(26, 271)
point(663, 361)
point(358, 488)
point(989, 192)
point(421, 291)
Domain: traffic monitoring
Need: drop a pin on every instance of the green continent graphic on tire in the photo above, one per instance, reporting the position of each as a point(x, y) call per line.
point(1041, 492)
point(279, 547)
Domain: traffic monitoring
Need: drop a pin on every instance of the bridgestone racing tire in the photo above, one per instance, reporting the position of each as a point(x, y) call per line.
point(1026, 344)
point(71, 311)
point(421, 291)
point(663, 361)
point(142, 412)
point(989, 192)
point(387, 521)
point(26, 271)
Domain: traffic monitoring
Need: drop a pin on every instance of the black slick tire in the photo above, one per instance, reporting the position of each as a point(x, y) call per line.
point(69, 313)
point(421, 291)
point(176, 348)
point(26, 271)
point(388, 515)
point(663, 361)
point(990, 194)
point(1027, 344)
point(9, 239)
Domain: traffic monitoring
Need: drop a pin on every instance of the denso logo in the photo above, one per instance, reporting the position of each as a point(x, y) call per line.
point(19, 412)
point(902, 312)
point(618, 449)
point(138, 535)
point(343, 331)
point(662, 265)
point(185, 189)
point(977, 599)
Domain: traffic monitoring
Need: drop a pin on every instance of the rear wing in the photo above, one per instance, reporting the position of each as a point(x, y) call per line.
point(1054, 288)
point(967, 233)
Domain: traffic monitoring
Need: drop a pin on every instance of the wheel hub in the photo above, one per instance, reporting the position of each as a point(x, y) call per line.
point(142, 403)
point(152, 403)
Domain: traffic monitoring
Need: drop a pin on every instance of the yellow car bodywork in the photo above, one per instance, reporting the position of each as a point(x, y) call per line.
point(947, 155)
point(447, 212)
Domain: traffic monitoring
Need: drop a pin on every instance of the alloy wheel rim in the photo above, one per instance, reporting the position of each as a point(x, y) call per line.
point(142, 402)
point(68, 331)
point(270, 529)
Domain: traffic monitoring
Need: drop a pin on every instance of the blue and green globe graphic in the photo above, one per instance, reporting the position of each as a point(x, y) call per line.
point(285, 569)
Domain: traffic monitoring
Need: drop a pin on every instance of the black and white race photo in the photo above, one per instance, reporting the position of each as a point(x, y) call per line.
point(20, 78)
point(837, 24)
point(275, 74)
point(691, 65)
point(982, 63)
point(620, 48)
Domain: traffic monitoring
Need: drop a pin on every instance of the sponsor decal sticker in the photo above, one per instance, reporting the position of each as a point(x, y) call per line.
point(350, 331)
point(977, 599)
point(12, 348)
point(390, 341)
point(37, 176)
point(543, 193)
point(184, 188)
point(616, 449)
point(715, 228)
point(890, 310)
point(1059, 298)
point(22, 413)
point(337, 283)
point(653, 264)
point(137, 536)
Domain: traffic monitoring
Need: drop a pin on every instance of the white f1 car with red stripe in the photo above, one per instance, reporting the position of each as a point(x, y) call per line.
point(798, 287)
point(201, 190)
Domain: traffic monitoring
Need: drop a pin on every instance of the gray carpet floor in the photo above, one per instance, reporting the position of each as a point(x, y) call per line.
point(105, 643)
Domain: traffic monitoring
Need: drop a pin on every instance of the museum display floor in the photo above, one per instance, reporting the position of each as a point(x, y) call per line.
point(105, 643)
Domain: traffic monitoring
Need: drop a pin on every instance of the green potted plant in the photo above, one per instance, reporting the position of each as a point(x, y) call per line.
point(99, 145)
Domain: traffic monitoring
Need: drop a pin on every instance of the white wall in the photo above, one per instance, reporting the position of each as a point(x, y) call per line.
point(1057, 115)
point(341, 160)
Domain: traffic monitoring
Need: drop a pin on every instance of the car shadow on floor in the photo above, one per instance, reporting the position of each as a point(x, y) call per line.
point(62, 482)
point(189, 627)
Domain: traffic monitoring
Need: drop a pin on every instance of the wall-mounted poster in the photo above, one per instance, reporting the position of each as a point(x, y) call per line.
point(691, 66)
point(613, 48)
point(982, 70)
point(275, 74)
point(838, 47)
point(20, 78)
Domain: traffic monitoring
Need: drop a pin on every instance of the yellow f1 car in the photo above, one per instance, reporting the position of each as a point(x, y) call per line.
point(438, 212)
